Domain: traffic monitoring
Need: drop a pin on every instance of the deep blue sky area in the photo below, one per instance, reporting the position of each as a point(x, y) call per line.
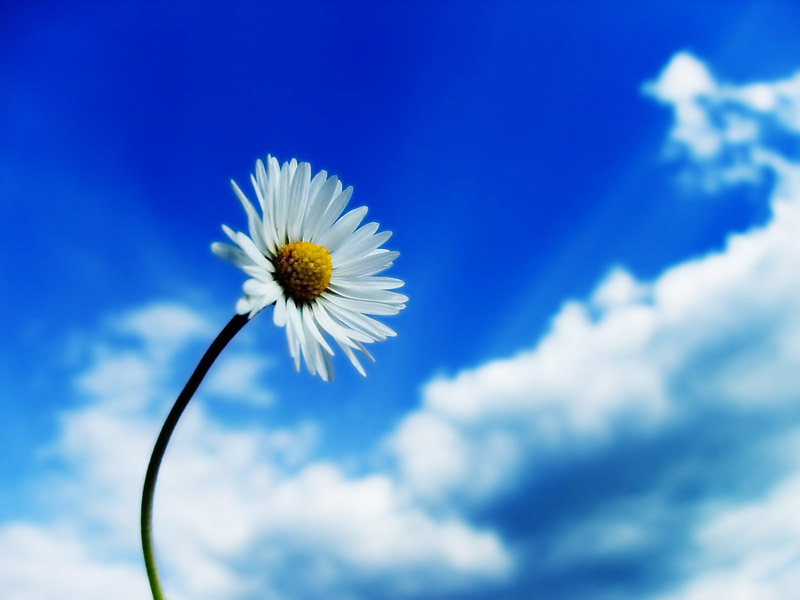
point(509, 146)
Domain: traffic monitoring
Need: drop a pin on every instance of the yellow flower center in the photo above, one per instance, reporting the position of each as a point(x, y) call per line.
point(303, 269)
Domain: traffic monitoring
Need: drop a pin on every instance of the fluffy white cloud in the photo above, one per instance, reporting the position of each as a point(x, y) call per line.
point(236, 508)
point(164, 327)
point(238, 377)
point(721, 329)
point(714, 336)
point(41, 563)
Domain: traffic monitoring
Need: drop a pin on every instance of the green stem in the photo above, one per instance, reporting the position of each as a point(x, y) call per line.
point(225, 336)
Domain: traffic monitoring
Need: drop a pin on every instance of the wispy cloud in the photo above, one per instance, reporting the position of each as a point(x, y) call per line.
point(725, 130)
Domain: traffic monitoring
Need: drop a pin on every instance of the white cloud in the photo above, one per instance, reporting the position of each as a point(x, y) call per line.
point(588, 378)
point(361, 527)
point(235, 509)
point(127, 376)
point(723, 128)
point(133, 377)
point(714, 123)
point(42, 563)
point(717, 334)
point(628, 358)
point(165, 327)
point(238, 377)
point(685, 84)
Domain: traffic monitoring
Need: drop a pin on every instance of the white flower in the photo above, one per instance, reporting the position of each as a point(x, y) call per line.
point(315, 266)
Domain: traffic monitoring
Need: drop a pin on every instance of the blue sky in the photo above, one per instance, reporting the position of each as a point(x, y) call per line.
point(593, 390)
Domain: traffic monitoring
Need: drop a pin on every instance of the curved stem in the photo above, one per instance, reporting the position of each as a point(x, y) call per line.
point(225, 336)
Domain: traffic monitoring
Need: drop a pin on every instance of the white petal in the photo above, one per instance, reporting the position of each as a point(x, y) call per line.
point(371, 329)
point(316, 184)
point(375, 262)
point(253, 287)
point(363, 306)
point(257, 272)
point(292, 337)
point(311, 326)
point(261, 303)
point(317, 203)
point(243, 305)
point(279, 314)
point(375, 330)
point(363, 293)
point(263, 185)
point(230, 233)
point(267, 193)
point(354, 247)
point(298, 200)
point(256, 255)
point(336, 330)
point(337, 205)
point(328, 367)
point(274, 178)
point(292, 166)
point(259, 190)
point(314, 360)
point(246, 244)
point(256, 287)
point(359, 236)
point(231, 254)
point(352, 356)
point(321, 207)
point(295, 325)
point(342, 228)
point(267, 226)
point(365, 352)
point(253, 220)
point(381, 283)
point(282, 204)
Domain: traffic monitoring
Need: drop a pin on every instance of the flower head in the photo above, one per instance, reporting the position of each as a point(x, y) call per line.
point(317, 266)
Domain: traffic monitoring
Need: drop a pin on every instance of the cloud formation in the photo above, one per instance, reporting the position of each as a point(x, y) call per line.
point(683, 380)
point(282, 521)
point(729, 133)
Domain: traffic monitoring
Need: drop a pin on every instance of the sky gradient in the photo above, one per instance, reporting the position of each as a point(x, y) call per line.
point(593, 392)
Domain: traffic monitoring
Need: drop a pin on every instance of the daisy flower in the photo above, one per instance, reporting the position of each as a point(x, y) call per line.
point(317, 266)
